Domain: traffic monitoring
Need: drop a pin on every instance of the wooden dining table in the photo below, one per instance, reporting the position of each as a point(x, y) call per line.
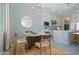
point(32, 38)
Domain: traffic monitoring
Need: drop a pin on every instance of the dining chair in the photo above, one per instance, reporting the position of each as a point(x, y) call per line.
point(44, 43)
point(12, 42)
point(12, 49)
point(21, 45)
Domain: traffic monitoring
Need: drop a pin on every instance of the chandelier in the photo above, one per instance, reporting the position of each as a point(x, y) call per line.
point(38, 8)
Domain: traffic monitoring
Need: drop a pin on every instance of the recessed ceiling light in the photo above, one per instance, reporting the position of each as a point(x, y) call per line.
point(39, 4)
point(66, 7)
point(32, 7)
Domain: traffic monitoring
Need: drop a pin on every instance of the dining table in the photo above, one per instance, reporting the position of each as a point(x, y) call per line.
point(32, 38)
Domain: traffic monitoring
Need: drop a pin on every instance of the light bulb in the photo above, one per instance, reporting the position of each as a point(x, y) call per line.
point(39, 4)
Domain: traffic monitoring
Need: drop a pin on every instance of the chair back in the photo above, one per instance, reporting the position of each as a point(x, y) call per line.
point(45, 36)
point(16, 41)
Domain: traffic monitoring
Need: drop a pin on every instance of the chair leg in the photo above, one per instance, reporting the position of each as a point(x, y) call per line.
point(16, 51)
point(27, 49)
point(23, 50)
point(40, 49)
point(50, 49)
point(50, 45)
point(44, 49)
point(11, 51)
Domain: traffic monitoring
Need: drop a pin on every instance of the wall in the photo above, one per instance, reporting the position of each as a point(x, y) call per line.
point(59, 20)
point(17, 11)
point(1, 33)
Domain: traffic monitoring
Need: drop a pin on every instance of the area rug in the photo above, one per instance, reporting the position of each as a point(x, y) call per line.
point(54, 51)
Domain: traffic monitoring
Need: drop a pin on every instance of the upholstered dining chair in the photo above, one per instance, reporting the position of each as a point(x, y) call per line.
point(44, 43)
point(20, 45)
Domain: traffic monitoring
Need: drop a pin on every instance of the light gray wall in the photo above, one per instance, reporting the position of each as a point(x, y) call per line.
point(2, 25)
point(17, 11)
point(1, 32)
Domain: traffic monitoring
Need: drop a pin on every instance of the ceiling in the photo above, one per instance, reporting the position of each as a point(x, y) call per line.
point(58, 9)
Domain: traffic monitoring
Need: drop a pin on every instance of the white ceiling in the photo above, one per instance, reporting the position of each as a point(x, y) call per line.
point(57, 9)
point(60, 8)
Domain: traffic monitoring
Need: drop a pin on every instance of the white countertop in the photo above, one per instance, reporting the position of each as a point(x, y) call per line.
point(31, 34)
point(76, 33)
point(36, 34)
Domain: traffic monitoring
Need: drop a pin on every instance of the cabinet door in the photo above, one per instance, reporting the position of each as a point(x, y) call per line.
point(61, 36)
point(57, 36)
point(65, 37)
